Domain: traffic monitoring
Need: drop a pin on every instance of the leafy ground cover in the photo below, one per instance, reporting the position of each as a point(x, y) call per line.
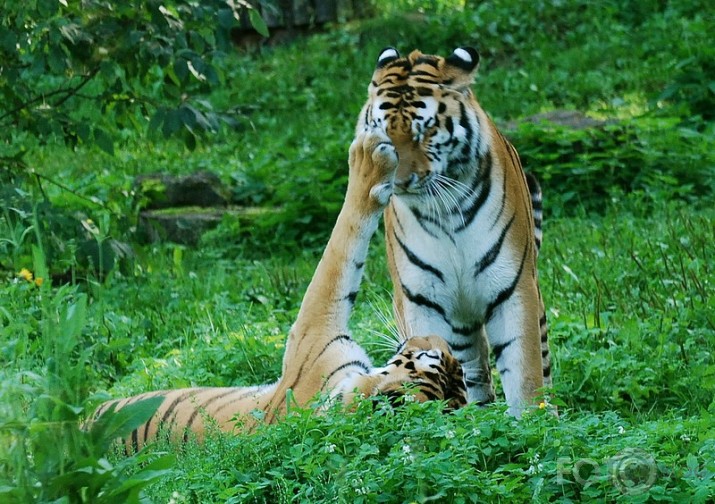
point(626, 269)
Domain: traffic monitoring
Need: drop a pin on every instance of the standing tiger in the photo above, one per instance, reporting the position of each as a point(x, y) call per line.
point(320, 356)
point(464, 228)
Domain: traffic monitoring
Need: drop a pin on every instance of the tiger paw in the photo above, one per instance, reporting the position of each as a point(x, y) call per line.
point(373, 162)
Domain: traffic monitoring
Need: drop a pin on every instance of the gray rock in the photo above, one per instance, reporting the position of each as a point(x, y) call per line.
point(202, 189)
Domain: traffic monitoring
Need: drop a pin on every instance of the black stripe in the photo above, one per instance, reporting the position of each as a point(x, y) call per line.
point(425, 60)
point(491, 255)
point(243, 395)
point(423, 219)
point(459, 347)
point(351, 297)
point(433, 376)
point(206, 404)
point(421, 300)
point(412, 257)
point(135, 440)
point(506, 293)
point(103, 408)
point(355, 363)
point(480, 137)
point(498, 349)
point(464, 122)
point(485, 180)
point(503, 201)
point(473, 383)
point(547, 371)
point(148, 423)
point(174, 403)
point(467, 331)
point(431, 396)
point(341, 337)
point(396, 218)
point(422, 80)
point(512, 153)
point(449, 125)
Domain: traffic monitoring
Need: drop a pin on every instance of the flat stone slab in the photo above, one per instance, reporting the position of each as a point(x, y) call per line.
point(201, 189)
point(573, 119)
point(185, 225)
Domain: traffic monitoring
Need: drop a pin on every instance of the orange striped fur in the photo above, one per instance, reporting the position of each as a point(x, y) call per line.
point(320, 355)
point(464, 227)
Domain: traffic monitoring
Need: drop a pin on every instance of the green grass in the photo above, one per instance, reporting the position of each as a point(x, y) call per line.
point(626, 271)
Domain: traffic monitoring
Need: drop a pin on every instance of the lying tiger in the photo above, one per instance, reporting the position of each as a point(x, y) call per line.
point(320, 356)
point(464, 226)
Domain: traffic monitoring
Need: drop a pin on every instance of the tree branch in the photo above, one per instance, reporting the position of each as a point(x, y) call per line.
point(39, 176)
point(70, 92)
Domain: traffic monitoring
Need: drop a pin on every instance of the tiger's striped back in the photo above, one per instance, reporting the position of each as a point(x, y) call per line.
point(423, 367)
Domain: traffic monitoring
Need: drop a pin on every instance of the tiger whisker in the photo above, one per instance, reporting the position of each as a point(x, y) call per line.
point(448, 199)
point(389, 336)
point(463, 188)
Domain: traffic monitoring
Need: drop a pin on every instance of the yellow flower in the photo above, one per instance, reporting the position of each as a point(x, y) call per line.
point(39, 281)
point(26, 274)
point(542, 405)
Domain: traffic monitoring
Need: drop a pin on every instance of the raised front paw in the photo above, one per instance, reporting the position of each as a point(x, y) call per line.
point(373, 161)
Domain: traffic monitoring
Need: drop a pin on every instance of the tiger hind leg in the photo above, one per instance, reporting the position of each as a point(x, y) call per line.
point(545, 353)
point(513, 334)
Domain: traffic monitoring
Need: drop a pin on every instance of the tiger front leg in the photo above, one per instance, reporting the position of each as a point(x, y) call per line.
point(514, 337)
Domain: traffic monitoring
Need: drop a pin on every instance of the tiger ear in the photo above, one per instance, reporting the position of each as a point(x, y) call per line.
point(387, 55)
point(461, 66)
point(466, 58)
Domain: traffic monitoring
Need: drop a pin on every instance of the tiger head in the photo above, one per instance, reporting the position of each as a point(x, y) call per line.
point(426, 106)
point(423, 369)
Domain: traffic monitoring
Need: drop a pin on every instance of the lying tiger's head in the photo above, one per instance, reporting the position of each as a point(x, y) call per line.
point(425, 369)
point(426, 106)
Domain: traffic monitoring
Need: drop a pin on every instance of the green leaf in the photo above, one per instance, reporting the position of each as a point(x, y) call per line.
point(181, 71)
point(159, 468)
point(225, 18)
point(190, 140)
point(188, 116)
point(83, 131)
point(157, 119)
point(104, 141)
point(172, 123)
point(257, 22)
point(119, 424)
